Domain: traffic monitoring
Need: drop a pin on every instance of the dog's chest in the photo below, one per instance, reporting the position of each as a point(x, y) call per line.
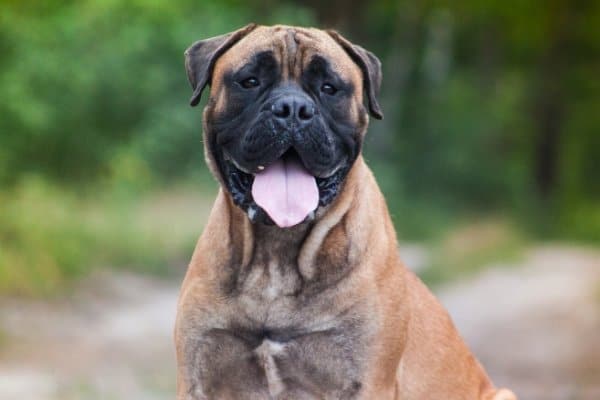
point(279, 342)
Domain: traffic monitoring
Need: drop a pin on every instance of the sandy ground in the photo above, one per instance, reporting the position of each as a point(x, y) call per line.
point(535, 325)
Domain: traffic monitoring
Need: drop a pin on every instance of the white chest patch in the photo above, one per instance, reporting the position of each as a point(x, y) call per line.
point(265, 352)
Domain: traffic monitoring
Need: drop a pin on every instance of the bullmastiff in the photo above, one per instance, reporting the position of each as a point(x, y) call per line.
point(296, 289)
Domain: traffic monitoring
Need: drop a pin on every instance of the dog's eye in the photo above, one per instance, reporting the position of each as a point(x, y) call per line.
point(329, 89)
point(250, 83)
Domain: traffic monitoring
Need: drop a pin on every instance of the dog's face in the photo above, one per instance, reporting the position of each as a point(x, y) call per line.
point(285, 119)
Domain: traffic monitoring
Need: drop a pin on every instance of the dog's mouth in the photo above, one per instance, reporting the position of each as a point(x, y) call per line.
point(283, 192)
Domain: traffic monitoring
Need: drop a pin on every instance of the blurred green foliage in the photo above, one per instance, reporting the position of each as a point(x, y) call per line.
point(49, 235)
point(83, 80)
point(491, 109)
point(470, 247)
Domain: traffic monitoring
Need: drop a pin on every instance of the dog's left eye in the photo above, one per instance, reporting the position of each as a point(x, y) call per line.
point(329, 89)
point(250, 83)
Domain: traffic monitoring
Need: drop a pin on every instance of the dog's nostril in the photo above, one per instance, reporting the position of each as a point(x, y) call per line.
point(306, 112)
point(281, 110)
point(294, 109)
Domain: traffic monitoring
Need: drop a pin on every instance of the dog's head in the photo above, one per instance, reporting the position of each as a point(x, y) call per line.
point(286, 117)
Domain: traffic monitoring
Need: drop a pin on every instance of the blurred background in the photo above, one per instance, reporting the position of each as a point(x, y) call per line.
point(489, 157)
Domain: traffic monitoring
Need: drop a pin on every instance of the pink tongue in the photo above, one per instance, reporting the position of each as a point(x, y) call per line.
point(286, 191)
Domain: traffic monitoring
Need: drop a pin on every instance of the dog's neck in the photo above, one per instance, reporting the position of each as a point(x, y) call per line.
point(332, 242)
point(281, 245)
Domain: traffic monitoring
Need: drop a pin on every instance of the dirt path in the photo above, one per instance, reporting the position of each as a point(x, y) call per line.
point(535, 325)
point(111, 340)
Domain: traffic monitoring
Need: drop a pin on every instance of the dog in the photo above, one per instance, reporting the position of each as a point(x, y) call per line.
point(295, 289)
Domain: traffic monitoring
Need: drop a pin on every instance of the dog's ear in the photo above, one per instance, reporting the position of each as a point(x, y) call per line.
point(370, 67)
point(200, 58)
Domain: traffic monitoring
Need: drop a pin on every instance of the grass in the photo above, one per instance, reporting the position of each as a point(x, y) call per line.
point(473, 246)
point(51, 236)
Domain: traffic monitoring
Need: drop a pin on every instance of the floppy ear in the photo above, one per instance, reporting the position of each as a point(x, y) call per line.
point(201, 56)
point(370, 67)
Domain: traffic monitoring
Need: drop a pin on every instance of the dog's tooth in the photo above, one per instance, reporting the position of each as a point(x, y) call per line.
point(311, 215)
point(261, 167)
point(251, 213)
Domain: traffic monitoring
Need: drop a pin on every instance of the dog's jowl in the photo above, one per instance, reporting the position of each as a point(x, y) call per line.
point(296, 289)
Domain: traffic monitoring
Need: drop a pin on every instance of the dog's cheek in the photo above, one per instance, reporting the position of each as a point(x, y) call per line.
point(361, 117)
point(350, 111)
point(217, 100)
point(355, 120)
point(215, 108)
point(219, 106)
point(231, 106)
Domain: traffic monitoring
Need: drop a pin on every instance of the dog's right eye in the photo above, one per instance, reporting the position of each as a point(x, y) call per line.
point(249, 83)
point(329, 89)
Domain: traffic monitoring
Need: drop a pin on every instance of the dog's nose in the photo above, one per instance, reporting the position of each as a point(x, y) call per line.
point(293, 108)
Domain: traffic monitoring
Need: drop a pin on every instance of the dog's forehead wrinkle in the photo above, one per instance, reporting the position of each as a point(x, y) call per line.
point(292, 48)
point(296, 47)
